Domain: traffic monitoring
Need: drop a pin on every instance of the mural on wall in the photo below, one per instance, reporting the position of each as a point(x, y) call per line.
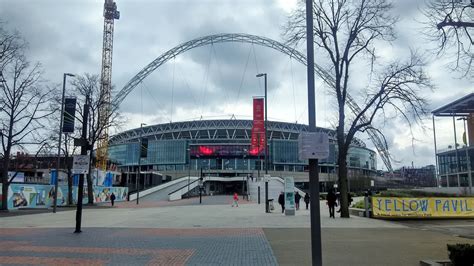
point(106, 179)
point(42, 196)
point(102, 194)
point(34, 196)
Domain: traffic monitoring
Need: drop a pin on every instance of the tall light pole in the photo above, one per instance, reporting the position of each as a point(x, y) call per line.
point(264, 75)
point(468, 159)
point(316, 252)
point(139, 163)
point(189, 167)
point(59, 142)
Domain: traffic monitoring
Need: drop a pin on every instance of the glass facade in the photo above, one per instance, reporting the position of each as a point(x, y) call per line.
point(448, 163)
point(159, 152)
point(453, 167)
point(124, 154)
point(168, 155)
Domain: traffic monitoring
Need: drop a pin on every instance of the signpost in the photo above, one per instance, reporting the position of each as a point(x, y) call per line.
point(80, 164)
point(313, 145)
point(69, 115)
point(289, 196)
point(266, 178)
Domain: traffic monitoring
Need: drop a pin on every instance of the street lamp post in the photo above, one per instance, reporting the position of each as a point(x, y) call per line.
point(59, 142)
point(315, 220)
point(264, 75)
point(139, 163)
point(468, 159)
point(189, 167)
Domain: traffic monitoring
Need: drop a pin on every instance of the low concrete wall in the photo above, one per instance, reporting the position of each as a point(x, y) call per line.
point(177, 195)
point(357, 212)
point(157, 188)
point(283, 182)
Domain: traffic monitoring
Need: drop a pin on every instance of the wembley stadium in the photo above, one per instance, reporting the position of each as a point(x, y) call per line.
point(222, 148)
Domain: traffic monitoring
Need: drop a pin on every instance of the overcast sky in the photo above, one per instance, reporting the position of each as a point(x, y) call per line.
point(215, 81)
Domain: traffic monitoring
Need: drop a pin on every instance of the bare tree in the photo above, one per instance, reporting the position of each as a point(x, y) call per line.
point(89, 85)
point(346, 32)
point(23, 102)
point(67, 146)
point(451, 24)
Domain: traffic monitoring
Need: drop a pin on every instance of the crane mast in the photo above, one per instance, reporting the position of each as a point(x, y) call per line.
point(110, 14)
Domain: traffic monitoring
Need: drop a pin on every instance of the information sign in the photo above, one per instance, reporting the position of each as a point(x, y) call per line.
point(313, 145)
point(80, 164)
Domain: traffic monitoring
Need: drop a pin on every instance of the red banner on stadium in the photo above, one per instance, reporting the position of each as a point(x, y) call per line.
point(257, 144)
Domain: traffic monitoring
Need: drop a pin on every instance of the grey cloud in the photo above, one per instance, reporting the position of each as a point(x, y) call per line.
point(66, 36)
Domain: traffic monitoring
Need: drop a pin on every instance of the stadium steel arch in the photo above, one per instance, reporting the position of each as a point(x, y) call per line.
point(258, 40)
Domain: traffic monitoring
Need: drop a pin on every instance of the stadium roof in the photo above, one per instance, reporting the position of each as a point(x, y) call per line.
point(460, 107)
point(228, 129)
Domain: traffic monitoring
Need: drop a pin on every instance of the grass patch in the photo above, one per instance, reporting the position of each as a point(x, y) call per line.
point(359, 204)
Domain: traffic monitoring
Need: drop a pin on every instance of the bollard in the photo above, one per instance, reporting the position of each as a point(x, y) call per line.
point(258, 194)
point(366, 205)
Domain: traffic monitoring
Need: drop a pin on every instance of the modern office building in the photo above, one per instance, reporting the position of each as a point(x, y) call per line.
point(222, 148)
point(455, 161)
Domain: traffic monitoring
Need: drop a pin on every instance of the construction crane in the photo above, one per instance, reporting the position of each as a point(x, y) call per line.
point(110, 14)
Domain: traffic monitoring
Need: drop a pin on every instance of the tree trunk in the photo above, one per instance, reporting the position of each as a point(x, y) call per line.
point(343, 185)
point(4, 173)
point(69, 185)
point(90, 189)
point(4, 190)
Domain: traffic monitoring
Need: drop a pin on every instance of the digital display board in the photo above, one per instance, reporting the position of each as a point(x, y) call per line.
point(223, 151)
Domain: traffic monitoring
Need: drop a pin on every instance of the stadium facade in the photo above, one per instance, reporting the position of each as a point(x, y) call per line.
point(221, 148)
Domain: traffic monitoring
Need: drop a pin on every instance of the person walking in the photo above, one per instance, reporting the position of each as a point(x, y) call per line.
point(236, 200)
point(112, 199)
point(331, 202)
point(281, 201)
point(349, 199)
point(297, 200)
point(306, 200)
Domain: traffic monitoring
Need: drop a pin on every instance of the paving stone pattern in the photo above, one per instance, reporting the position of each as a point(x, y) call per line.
point(126, 246)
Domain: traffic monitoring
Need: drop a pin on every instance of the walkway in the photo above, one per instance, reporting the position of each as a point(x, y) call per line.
point(101, 246)
point(213, 233)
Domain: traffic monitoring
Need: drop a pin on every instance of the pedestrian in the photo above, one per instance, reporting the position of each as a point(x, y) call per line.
point(112, 198)
point(349, 199)
point(236, 200)
point(331, 202)
point(306, 200)
point(297, 200)
point(281, 201)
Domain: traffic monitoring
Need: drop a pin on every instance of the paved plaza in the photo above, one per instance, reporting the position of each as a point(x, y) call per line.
point(214, 233)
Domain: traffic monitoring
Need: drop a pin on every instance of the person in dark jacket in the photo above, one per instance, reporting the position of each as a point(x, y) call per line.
point(306, 200)
point(281, 201)
point(297, 200)
point(349, 199)
point(331, 202)
point(112, 199)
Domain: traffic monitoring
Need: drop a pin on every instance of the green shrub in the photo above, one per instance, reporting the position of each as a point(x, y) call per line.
point(359, 204)
point(415, 193)
point(461, 254)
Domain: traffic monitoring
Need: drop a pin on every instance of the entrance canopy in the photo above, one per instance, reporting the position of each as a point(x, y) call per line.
point(460, 107)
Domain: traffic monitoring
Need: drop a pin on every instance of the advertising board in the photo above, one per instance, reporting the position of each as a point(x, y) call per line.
point(436, 207)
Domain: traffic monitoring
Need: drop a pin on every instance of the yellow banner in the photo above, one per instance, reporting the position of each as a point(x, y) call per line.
point(422, 207)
